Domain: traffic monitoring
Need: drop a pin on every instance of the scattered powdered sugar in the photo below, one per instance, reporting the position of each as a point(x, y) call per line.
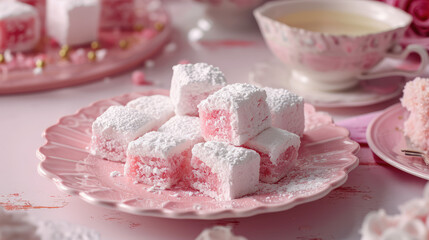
point(298, 183)
point(197, 207)
point(115, 174)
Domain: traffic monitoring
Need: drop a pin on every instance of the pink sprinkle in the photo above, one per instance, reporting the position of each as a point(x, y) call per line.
point(139, 78)
point(149, 33)
point(184, 61)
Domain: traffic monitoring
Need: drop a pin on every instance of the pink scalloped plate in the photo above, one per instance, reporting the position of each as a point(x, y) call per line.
point(386, 138)
point(326, 157)
point(59, 73)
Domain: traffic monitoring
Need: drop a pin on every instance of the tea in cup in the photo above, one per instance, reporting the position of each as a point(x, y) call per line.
point(332, 45)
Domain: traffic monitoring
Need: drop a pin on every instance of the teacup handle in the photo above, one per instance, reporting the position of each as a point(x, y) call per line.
point(401, 55)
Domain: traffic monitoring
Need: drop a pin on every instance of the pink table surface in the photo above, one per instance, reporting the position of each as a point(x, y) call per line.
point(372, 185)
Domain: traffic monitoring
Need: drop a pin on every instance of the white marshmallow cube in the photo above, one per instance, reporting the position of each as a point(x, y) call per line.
point(192, 83)
point(73, 22)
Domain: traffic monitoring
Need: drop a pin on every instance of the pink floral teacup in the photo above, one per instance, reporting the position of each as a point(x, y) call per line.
point(337, 57)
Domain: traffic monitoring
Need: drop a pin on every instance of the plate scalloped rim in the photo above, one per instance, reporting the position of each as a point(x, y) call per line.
point(188, 214)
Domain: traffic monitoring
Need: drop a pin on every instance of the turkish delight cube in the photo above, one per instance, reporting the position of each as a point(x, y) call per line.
point(184, 126)
point(73, 22)
point(278, 150)
point(287, 110)
point(117, 14)
point(158, 159)
point(192, 83)
point(19, 26)
point(115, 128)
point(158, 107)
point(234, 114)
point(223, 171)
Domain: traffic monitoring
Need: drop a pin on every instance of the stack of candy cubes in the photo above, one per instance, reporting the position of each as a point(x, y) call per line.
point(219, 139)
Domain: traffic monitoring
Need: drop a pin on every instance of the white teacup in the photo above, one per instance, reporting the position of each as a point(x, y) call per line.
point(331, 45)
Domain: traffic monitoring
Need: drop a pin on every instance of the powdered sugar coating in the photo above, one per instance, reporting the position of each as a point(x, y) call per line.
point(236, 168)
point(416, 99)
point(183, 126)
point(273, 142)
point(287, 110)
point(192, 83)
point(247, 109)
point(115, 128)
point(158, 145)
point(158, 107)
point(12, 9)
point(122, 123)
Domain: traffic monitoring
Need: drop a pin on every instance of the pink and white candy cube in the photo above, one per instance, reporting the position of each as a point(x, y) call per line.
point(158, 159)
point(223, 171)
point(287, 110)
point(234, 114)
point(278, 150)
point(115, 128)
point(192, 83)
point(19, 26)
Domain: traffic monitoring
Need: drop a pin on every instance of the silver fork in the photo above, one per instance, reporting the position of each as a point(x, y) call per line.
point(416, 153)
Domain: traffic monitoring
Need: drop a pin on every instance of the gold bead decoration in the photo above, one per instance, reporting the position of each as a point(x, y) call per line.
point(159, 26)
point(95, 45)
point(123, 44)
point(64, 52)
point(40, 63)
point(2, 60)
point(138, 27)
point(92, 56)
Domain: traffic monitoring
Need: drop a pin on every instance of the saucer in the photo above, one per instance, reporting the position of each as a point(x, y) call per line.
point(273, 73)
